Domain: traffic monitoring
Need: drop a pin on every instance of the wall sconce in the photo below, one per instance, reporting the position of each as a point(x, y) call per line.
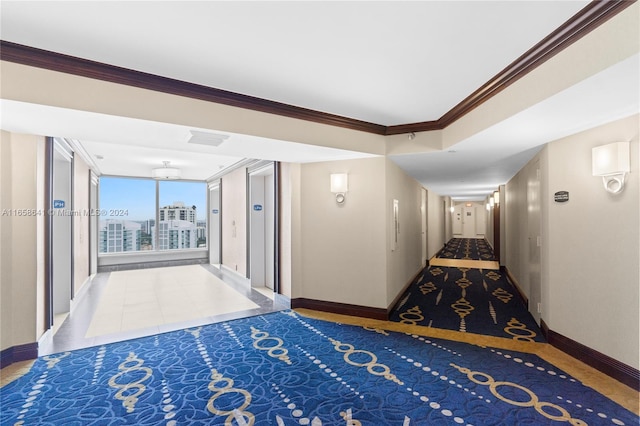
point(492, 202)
point(452, 209)
point(339, 186)
point(612, 163)
point(496, 197)
point(488, 206)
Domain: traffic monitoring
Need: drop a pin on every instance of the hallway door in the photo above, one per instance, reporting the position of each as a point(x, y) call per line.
point(469, 222)
point(61, 228)
point(534, 236)
point(456, 226)
point(262, 227)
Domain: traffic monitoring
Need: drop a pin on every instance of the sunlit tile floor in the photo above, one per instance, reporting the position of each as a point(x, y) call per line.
point(128, 304)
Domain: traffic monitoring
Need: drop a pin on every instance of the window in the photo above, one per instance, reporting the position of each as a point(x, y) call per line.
point(182, 210)
point(129, 209)
point(127, 212)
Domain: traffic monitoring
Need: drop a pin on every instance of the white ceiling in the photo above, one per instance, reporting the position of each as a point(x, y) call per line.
point(383, 62)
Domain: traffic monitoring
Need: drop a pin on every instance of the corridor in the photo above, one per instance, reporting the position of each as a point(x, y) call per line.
point(463, 289)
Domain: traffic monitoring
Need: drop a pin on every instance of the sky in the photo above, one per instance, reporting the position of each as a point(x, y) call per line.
point(135, 199)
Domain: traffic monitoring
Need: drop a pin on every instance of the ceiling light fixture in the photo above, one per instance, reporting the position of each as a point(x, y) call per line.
point(165, 172)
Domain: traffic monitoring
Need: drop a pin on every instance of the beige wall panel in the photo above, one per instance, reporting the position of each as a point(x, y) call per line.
point(80, 223)
point(234, 221)
point(6, 240)
point(289, 227)
point(40, 86)
point(609, 44)
point(406, 261)
point(592, 243)
point(344, 246)
point(20, 282)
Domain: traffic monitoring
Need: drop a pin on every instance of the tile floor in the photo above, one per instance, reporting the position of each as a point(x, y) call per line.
point(128, 304)
point(151, 297)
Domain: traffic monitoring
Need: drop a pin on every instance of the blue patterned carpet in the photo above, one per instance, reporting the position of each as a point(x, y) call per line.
point(467, 300)
point(286, 369)
point(467, 248)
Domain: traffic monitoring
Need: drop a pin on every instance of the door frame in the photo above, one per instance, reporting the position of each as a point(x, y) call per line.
point(50, 149)
point(261, 167)
point(211, 244)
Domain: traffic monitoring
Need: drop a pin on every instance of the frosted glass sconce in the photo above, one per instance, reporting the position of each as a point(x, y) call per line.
point(340, 186)
point(496, 197)
point(611, 162)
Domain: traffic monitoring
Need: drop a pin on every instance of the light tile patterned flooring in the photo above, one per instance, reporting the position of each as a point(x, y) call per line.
point(130, 304)
point(123, 305)
point(150, 297)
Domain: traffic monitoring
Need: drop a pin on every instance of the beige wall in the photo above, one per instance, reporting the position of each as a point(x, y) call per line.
point(343, 247)
point(19, 236)
point(346, 251)
point(44, 87)
point(591, 289)
point(609, 44)
point(234, 221)
point(80, 223)
point(590, 273)
point(6, 239)
point(405, 261)
point(515, 251)
point(490, 215)
point(289, 228)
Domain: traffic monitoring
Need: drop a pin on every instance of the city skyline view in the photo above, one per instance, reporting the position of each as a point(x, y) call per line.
point(133, 220)
point(135, 199)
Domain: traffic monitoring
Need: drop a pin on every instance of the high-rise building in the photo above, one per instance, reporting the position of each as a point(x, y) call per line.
point(178, 211)
point(174, 235)
point(117, 235)
point(202, 231)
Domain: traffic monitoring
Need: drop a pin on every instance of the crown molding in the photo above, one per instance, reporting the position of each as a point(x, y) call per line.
point(586, 20)
point(40, 58)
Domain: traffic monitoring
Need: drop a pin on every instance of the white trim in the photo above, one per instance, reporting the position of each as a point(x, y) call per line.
point(247, 162)
point(80, 150)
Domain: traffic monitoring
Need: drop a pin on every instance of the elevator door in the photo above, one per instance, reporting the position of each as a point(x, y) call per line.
point(262, 227)
point(61, 229)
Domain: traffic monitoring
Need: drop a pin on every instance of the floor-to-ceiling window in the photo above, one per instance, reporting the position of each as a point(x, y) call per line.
point(144, 214)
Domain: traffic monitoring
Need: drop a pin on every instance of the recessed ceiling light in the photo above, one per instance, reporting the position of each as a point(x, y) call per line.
point(99, 157)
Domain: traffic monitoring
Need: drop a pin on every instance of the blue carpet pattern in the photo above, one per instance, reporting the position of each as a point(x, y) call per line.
point(286, 369)
point(467, 248)
point(467, 300)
